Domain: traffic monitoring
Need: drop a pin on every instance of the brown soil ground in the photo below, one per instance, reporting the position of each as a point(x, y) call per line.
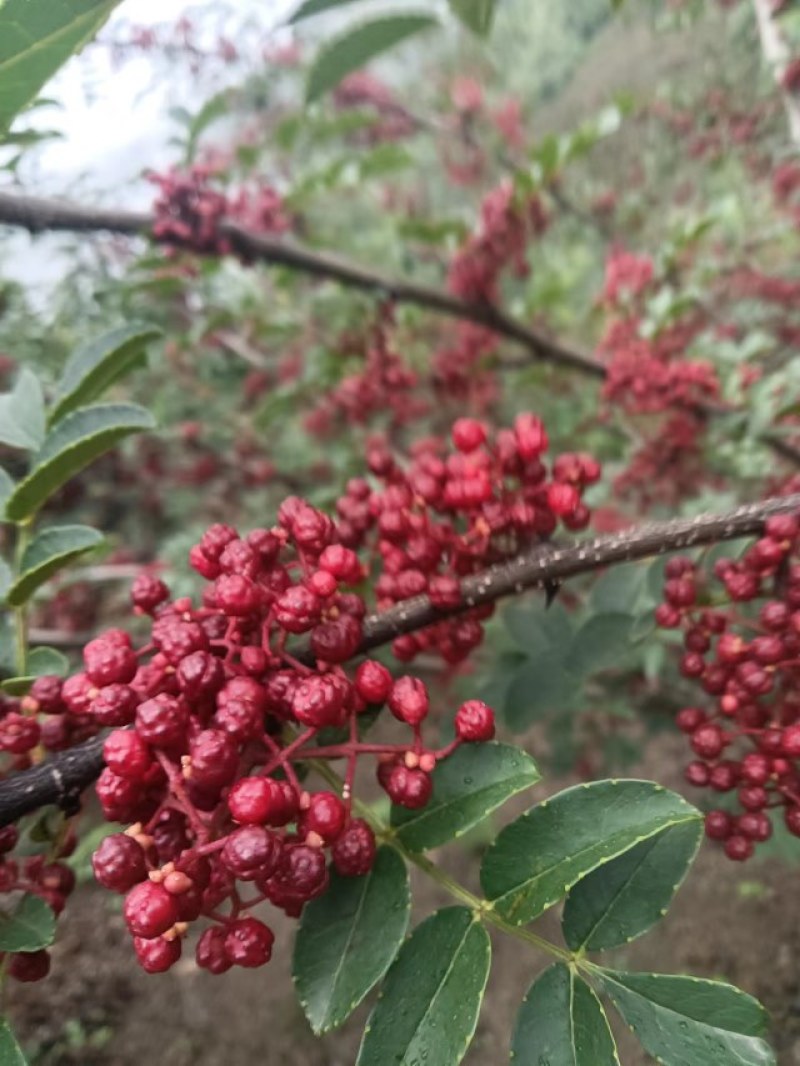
point(98, 1009)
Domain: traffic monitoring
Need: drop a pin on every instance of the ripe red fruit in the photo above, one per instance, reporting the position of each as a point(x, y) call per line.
point(354, 851)
point(468, 434)
point(255, 801)
point(373, 681)
point(251, 852)
point(408, 700)
point(149, 910)
point(210, 952)
point(708, 741)
point(325, 816)
point(127, 754)
point(118, 863)
point(29, 966)
point(474, 721)
point(719, 825)
point(156, 956)
point(738, 848)
point(248, 942)
point(562, 499)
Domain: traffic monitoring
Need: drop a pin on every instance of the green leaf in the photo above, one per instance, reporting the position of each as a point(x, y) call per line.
point(475, 780)
point(73, 444)
point(95, 366)
point(355, 48)
point(601, 642)
point(536, 859)
point(36, 38)
point(6, 488)
point(536, 627)
point(31, 927)
point(348, 938)
point(50, 551)
point(10, 1051)
point(561, 1023)
point(22, 410)
point(620, 589)
point(625, 897)
point(310, 8)
point(542, 685)
point(477, 15)
point(428, 1007)
point(43, 661)
point(685, 1021)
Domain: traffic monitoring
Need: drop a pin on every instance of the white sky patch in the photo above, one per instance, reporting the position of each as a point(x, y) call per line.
point(113, 116)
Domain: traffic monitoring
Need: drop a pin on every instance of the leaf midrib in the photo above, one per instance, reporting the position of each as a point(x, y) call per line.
point(578, 854)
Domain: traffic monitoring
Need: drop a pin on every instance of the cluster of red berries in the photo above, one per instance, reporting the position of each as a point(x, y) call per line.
point(507, 222)
point(443, 516)
point(743, 647)
point(46, 877)
point(211, 720)
point(364, 91)
point(189, 209)
point(385, 385)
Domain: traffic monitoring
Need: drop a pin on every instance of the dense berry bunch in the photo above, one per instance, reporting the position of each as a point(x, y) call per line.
point(212, 720)
point(500, 241)
point(443, 516)
point(742, 646)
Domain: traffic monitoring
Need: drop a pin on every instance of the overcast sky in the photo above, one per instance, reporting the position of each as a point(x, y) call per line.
point(114, 118)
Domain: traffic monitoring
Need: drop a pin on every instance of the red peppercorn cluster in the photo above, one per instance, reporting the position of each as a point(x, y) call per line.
point(742, 646)
point(188, 210)
point(211, 720)
point(506, 222)
point(443, 516)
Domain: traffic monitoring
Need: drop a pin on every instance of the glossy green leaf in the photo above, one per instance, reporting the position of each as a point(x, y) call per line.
point(562, 1023)
point(467, 786)
point(625, 897)
point(358, 46)
point(601, 642)
point(31, 927)
point(95, 366)
point(44, 660)
point(428, 1007)
point(685, 1021)
point(536, 859)
point(36, 38)
point(22, 411)
point(6, 488)
point(73, 444)
point(310, 8)
point(477, 15)
point(50, 551)
point(348, 938)
point(10, 1051)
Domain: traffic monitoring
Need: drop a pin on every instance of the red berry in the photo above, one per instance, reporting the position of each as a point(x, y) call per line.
point(354, 851)
point(738, 848)
point(373, 682)
point(468, 434)
point(210, 951)
point(408, 700)
point(149, 910)
point(29, 966)
point(127, 754)
point(719, 825)
point(251, 852)
point(325, 816)
point(248, 942)
point(156, 956)
point(474, 721)
point(255, 801)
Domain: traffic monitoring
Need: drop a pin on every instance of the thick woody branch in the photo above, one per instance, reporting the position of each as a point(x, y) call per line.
point(61, 779)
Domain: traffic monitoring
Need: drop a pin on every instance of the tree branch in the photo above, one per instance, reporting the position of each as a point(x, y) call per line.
point(61, 778)
point(775, 49)
point(37, 214)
